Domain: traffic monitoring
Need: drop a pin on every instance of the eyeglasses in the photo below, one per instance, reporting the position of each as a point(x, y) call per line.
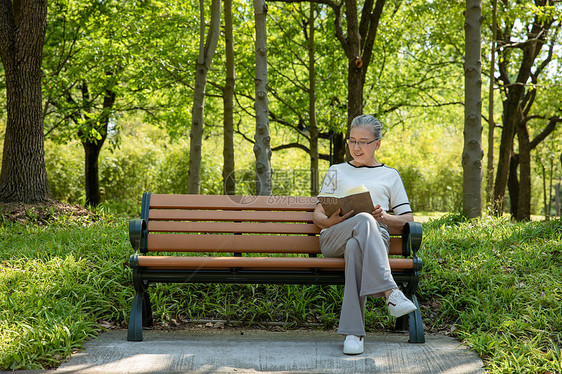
point(360, 143)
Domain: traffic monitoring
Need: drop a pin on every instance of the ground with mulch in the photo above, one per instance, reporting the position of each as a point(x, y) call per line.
point(42, 213)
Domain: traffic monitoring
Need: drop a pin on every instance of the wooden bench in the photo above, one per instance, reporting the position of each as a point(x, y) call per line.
point(246, 239)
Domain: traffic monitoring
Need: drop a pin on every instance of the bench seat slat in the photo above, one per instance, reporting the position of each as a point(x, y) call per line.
point(234, 227)
point(223, 202)
point(273, 263)
point(229, 215)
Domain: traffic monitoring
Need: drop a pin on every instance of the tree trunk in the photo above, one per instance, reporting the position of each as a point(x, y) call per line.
point(354, 93)
point(339, 152)
point(513, 184)
point(355, 71)
point(491, 123)
point(524, 194)
point(22, 32)
point(262, 146)
point(557, 199)
point(472, 152)
point(515, 92)
point(504, 155)
point(91, 171)
point(313, 126)
point(229, 181)
point(546, 198)
point(206, 53)
point(92, 149)
point(523, 209)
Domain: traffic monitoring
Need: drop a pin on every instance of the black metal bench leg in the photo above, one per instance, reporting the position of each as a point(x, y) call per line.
point(134, 332)
point(147, 320)
point(416, 324)
point(141, 310)
point(413, 321)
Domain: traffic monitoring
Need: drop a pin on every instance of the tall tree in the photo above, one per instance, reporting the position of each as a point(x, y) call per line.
point(229, 181)
point(22, 33)
point(313, 126)
point(357, 44)
point(301, 82)
point(262, 145)
point(361, 26)
point(472, 152)
point(207, 51)
point(88, 76)
point(93, 130)
point(491, 122)
point(522, 63)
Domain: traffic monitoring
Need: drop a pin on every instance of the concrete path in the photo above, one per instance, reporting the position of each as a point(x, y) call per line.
point(258, 351)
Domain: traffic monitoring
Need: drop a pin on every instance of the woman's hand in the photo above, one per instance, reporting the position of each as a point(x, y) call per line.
point(335, 218)
point(391, 220)
point(379, 214)
point(323, 221)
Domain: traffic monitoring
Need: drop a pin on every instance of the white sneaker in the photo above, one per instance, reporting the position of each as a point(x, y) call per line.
point(399, 305)
point(353, 345)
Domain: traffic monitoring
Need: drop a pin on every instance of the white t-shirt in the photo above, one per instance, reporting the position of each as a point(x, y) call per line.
point(383, 182)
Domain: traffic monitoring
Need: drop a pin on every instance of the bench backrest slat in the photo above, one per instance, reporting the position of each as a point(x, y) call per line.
point(234, 227)
point(233, 243)
point(243, 243)
point(229, 215)
point(223, 202)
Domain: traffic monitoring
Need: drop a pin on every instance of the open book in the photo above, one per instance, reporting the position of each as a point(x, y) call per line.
point(357, 199)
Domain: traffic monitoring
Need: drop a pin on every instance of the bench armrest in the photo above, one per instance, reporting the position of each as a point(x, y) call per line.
point(411, 238)
point(137, 230)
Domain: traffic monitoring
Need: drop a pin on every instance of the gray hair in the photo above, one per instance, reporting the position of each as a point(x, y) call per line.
point(366, 120)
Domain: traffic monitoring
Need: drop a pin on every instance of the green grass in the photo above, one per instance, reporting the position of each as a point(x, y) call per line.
point(494, 284)
point(499, 284)
point(56, 283)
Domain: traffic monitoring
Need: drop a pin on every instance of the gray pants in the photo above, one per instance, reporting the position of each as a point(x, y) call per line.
point(364, 246)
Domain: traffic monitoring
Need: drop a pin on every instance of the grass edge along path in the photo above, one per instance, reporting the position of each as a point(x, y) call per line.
point(494, 284)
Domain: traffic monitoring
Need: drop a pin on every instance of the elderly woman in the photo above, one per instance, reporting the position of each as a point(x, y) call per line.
point(363, 239)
